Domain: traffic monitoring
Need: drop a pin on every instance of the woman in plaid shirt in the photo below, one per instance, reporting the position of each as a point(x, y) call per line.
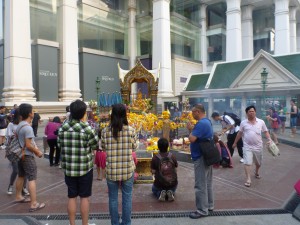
point(119, 140)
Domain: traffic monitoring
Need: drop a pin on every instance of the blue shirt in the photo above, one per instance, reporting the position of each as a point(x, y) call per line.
point(202, 130)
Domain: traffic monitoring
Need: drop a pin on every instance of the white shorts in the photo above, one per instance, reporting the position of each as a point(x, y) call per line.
point(249, 156)
point(2, 132)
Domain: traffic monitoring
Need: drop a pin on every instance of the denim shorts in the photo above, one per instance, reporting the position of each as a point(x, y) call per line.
point(27, 167)
point(293, 121)
point(80, 186)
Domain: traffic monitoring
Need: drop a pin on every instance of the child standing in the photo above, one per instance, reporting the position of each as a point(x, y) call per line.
point(100, 160)
point(226, 160)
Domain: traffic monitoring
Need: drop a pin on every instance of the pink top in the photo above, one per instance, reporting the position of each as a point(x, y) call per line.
point(50, 128)
point(252, 134)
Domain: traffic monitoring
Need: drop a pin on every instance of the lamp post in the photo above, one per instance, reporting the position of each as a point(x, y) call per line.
point(264, 78)
point(97, 92)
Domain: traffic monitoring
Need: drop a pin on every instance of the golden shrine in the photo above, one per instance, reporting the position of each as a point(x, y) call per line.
point(139, 74)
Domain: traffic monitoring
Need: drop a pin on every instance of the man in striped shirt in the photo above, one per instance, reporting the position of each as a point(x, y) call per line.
point(77, 140)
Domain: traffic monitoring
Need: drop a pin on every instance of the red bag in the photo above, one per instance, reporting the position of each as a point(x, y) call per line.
point(297, 187)
point(275, 124)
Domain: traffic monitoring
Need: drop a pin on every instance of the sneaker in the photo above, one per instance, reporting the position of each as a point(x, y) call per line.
point(10, 190)
point(162, 196)
point(196, 215)
point(25, 192)
point(242, 161)
point(170, 195)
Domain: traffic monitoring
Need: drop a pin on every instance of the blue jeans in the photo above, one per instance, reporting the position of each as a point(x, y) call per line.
point(113, 188)
point(203, 186)
point(156, 191)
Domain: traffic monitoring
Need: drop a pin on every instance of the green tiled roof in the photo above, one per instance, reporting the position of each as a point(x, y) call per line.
point(226, 73)
point(291, 63)
point(197, 82)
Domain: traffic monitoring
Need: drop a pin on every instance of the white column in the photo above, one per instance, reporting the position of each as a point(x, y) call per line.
point(17, 53)
point(69, 88)
point(282, 28)
point(298, 37)
point(247, 32)
point(132, 40)
point(233, 31)
point(288, 99)
point(243, 107)
point(161, 46)
point(293, 30)
point(210, 109)
point(203, 37)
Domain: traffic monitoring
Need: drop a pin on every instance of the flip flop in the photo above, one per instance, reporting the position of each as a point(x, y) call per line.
point(248, 184)
point(24, 200)
point(38, 207)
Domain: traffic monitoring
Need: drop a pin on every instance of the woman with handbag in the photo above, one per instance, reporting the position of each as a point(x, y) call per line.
point(51, 133)
point(275, 122)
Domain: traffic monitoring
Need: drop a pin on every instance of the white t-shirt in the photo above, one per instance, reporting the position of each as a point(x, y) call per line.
point(252, 138)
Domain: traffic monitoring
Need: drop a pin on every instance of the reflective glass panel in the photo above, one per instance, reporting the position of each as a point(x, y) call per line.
point(43, 19)
point(102, 28)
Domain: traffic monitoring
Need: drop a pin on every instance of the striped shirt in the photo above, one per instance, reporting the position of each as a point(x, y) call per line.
point(120, 164)
point(77, 140)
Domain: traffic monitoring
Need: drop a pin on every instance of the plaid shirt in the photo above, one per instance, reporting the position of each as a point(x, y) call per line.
point(76, 140)
point(120, 164)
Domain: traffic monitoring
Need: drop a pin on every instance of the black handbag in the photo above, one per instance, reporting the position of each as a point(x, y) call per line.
point(210, 152)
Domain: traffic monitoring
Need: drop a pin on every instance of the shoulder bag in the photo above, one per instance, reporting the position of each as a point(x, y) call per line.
point(210, 152)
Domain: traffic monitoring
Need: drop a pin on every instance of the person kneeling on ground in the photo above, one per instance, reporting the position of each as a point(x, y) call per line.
point(163, 166)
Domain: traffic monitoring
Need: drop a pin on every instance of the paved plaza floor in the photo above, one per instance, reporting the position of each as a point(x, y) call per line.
point(279, 174)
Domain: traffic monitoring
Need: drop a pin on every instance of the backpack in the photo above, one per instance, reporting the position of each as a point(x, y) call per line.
point(167, 175)
point(237, 120)
point(14, 151)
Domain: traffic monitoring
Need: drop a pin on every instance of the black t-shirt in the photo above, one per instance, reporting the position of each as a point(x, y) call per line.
point(155, 165)
point(35, 120)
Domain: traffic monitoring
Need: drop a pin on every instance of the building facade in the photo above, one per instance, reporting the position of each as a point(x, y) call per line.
point(52, 51)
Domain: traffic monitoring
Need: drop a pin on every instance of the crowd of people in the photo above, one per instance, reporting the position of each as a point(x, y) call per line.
point(77, 147)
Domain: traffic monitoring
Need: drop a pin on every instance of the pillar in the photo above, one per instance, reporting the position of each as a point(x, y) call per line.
point(132, 40)
point(282, 28)
point(17, 53)
point(233, 31)
point(247, 32)
point(210, 109)
point(69, 88)
point(298, 37)
point(203, 36)
point(161, 46)
point(293, 30)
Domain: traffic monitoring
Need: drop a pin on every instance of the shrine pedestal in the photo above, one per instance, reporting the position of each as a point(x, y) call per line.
point(143, 167)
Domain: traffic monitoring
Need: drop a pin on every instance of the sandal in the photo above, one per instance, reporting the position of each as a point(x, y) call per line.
point(247, 184)
point(38, 206)
point(257, 176)
point(24, 200)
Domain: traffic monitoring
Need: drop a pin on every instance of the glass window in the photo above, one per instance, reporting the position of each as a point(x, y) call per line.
point(216, 15)
point(144, 27)
point(102, 28)
point(185, 29)
point(216, 48)
point(263, 30)
point(43, 19)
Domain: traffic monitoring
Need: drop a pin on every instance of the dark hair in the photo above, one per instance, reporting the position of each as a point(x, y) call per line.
point(118, 118)
point(78, 109)
point(16, 118)
point(217, 140)
point(68, 108)
point(250, 107)
point(199, 107)
point(293, 101)
point(25, 110)
point(215, 114)
point(2, 107)
point(163, 145)
point(56, 119)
